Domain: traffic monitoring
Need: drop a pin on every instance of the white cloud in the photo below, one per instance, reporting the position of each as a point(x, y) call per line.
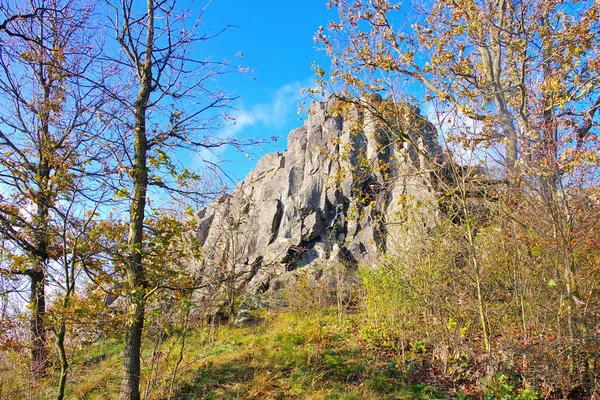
point(274, 113)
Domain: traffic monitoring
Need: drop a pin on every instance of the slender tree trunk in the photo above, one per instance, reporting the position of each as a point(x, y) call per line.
point(135, 269)
point(37, 274)
point(39, 353)
point(478, 278)
point(64, 362)
point(130, 386)
point(43, 201)
point(62, 332)
point(184, 331)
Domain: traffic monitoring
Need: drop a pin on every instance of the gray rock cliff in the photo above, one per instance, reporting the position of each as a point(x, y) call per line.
point(339, 193)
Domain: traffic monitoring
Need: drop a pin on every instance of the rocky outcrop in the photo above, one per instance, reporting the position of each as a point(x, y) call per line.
point(339, 193)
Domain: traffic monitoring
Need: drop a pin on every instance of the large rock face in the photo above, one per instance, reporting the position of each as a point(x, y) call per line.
point(339, 193)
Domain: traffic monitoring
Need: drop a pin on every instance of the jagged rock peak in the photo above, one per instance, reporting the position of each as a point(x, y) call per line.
point(330, 197)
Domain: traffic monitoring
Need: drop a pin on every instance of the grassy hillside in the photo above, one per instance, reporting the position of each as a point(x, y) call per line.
point(282, 355)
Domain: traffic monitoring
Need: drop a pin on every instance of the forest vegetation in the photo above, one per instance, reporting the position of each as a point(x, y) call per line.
point(101, 102)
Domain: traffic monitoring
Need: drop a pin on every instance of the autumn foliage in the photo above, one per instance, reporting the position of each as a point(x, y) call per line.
point(508, 280)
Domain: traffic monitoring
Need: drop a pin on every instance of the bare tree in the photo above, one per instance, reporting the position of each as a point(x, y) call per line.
point(48, 124)
point(173, 105)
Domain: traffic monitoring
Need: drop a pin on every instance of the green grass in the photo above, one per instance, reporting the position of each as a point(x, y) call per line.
point(292, 357)
point(286, 356)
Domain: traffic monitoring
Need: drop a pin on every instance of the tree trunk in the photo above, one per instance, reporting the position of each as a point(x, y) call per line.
point(64, 362)
point(37, 274)
point(135, 269)
point(130, 386)
point(39, 354)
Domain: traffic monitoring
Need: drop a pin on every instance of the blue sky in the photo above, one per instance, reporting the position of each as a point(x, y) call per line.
point(276, 39)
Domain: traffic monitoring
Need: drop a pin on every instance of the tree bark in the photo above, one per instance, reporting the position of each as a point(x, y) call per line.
point(37, 274)
point(130, 386)
point(64, 362)
point(135, 270)
point(39, 353)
